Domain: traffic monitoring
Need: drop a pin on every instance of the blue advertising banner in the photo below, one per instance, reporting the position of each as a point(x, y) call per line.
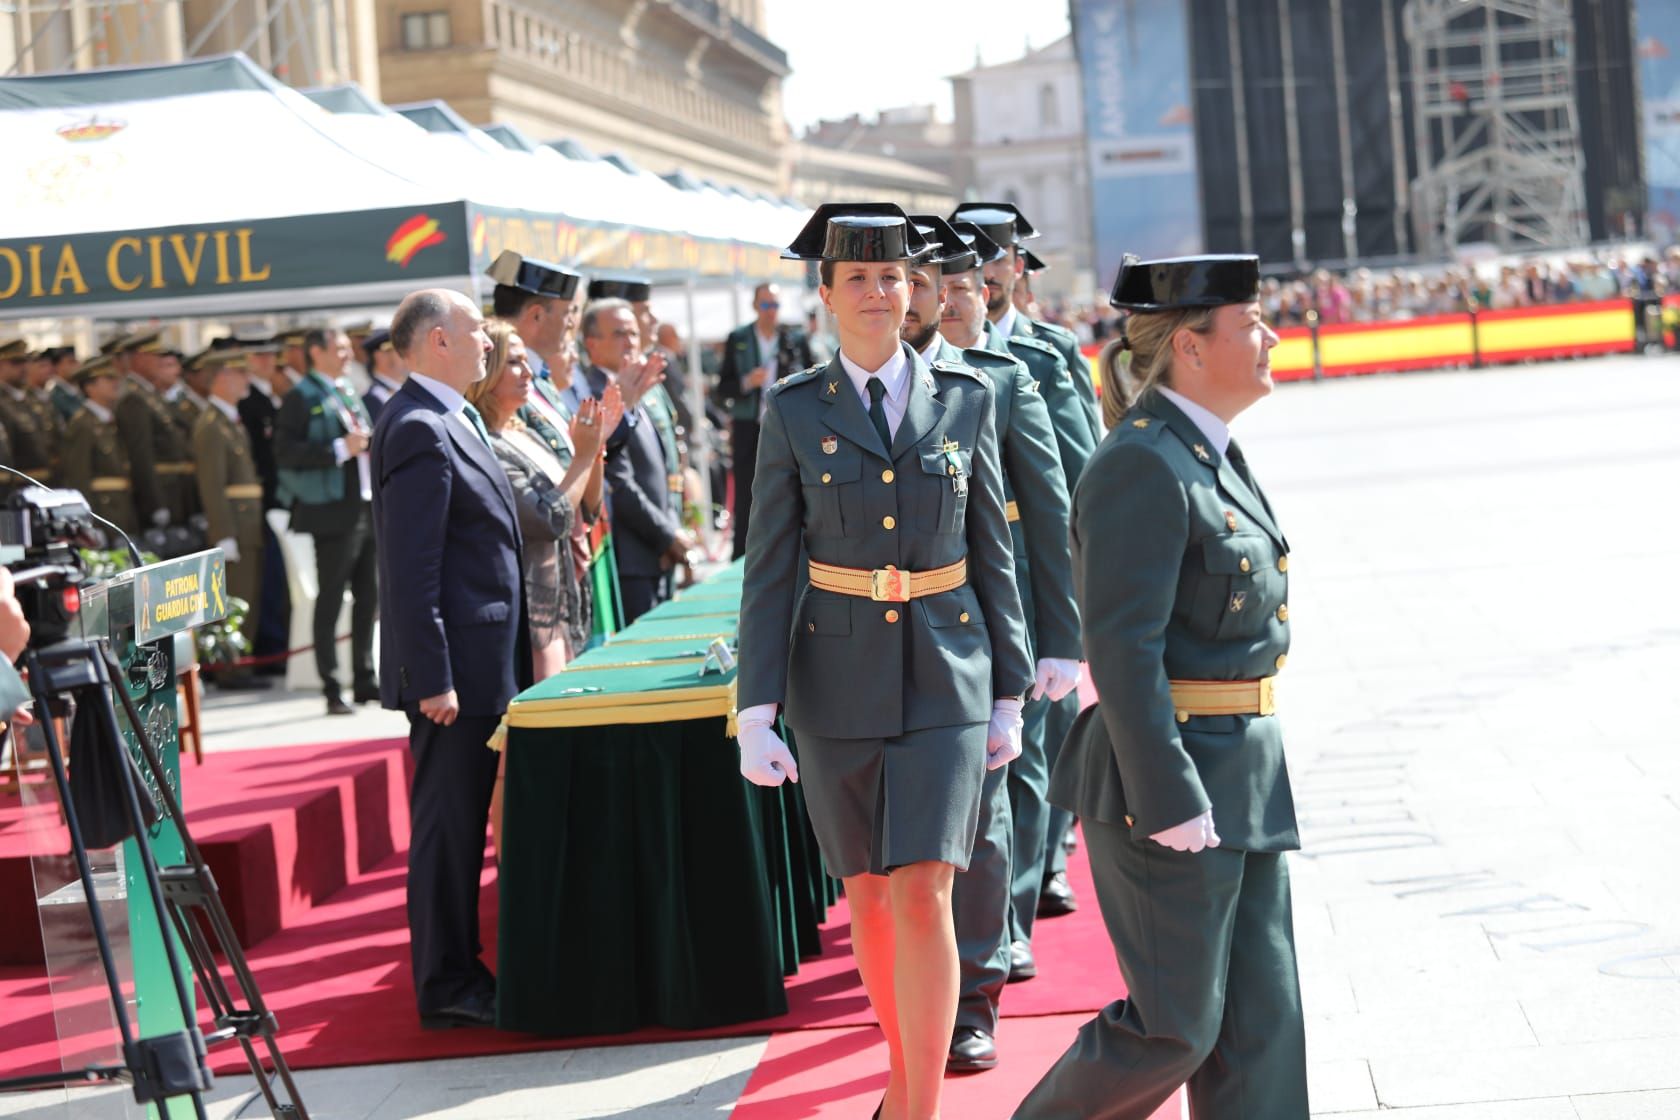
point(1659, 76)
point(1134, 58)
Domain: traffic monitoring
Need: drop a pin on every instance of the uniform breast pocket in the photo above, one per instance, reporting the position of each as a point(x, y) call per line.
point(1230, 599)
point(833, 489)
point(943, 494)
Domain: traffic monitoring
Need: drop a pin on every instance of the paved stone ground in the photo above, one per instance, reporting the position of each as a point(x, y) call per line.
point(1484, 726)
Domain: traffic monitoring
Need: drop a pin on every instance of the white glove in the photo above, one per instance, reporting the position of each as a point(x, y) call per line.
point(1056, 677)
point(1191, 836)
point(230, 549)
point(160, 517)
point(1003, 736)
point(765, 759)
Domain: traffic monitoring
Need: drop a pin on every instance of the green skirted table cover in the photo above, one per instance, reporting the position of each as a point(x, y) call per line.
point(643, 882)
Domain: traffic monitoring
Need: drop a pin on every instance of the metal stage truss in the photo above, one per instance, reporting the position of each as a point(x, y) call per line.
point(1497, 135)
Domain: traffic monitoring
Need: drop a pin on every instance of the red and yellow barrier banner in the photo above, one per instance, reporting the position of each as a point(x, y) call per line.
point(1292, 357)
point(1430, 342)
point(1569, 330)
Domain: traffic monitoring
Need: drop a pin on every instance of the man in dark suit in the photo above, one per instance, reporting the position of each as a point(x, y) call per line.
point(454, 652)
point(320, 444)
point(645, 496)
point(755, 356)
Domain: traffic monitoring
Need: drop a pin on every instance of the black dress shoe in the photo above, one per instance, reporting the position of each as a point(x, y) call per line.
point(477, 1010)
point(1070, 840)
point(367, 695)
point(878, 1109)
point(972, 1050)
point(1022, 966)
point(337, 707)
point(1056, 897)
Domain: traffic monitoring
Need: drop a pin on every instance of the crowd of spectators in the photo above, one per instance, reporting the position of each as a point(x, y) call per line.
point(1391, 294)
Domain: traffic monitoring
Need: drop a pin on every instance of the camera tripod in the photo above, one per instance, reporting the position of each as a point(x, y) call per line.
point(172, 1064)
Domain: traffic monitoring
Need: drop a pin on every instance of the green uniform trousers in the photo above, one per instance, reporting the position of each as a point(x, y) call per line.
point(1207, 948)
point(1029, 782)
point(980, 908)
point(1057, 722)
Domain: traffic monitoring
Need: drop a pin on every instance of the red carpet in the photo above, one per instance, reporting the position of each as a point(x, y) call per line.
point(337, 976)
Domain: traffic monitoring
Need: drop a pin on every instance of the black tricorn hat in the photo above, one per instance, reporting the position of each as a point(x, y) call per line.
point(540, 278)
point(951, 252)
point(1031, 262)
point(1003, 222)
point(1162, 285)
point(985, 249)
point(857, 231)
point(378, 339)
point(636, 289)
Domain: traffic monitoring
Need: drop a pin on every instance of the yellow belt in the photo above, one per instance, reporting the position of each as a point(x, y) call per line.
point(888, 585)
point(175, 468)
point(1012, 512)
point(244, 490)
point(1222, 698)
point(674, 482)
point(110, 485)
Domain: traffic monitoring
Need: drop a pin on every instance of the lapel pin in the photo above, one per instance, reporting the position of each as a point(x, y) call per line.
point(1201, 452)
point(830, 445)
point(833, 388)
point(1237, 600)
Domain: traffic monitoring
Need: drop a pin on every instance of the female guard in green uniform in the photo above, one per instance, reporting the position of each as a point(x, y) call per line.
point(900, 660)
point(1178, 772)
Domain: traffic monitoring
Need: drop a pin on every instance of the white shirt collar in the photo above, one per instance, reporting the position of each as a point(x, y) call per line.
point(932, 348)
point(186, 391)
point(1006, 325)
point(295, 377)
point(1210, 425)
point(100, 412)
point(895, 374)
point(450, 398)
point(261, 385)
point(228, 410)
point(389, 383)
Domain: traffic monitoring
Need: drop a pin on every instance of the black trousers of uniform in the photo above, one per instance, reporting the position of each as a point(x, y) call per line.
point(743, 453)
point(1206, 945)
point(346, 560)
point(449, 810)
point(638, 595)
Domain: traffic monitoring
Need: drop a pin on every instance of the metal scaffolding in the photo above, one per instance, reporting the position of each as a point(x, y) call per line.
point(1496, 132)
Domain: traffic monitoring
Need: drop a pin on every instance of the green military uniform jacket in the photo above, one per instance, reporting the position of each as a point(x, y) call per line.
point(33, 430)
point(1034, 487)
point(1056, 386)
point(1066, 343)
point(96, 463)
point(186, 409)
point(157, 453)
point(854, 668)
point(230, 492)
point(1180, 570)
point(65, 399)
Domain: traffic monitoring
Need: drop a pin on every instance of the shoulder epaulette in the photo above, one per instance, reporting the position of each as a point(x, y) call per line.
point(981, 358)
point(1034, 344)
point(943, 366)
point(800, 378)
point(1056, 329)
point(1140, 425)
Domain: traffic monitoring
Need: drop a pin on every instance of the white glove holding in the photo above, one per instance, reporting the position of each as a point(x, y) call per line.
point(160, 517)
point(765, 759)
point(1056, 677)
point(1191, 836)
point(1003, 736)
point(230, 549)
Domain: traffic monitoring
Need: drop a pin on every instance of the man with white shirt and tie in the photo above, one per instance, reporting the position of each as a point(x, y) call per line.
point(755, 356)
point(320, 448)
point(456, 644)
point(385, 372)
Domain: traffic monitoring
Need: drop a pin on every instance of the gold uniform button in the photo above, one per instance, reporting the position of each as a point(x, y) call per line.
point(963, 617)
point(1283, 563)
point(1282, 660)
point(891, 616)
point(1244, 565)
point(1182, 716)
point(1129, 822)
point(827, 478)
point(811, 626)
point(1283, 613)
point(887, 476)
point(888, 523)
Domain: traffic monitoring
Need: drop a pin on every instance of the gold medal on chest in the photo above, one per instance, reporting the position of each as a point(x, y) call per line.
point(830, 444)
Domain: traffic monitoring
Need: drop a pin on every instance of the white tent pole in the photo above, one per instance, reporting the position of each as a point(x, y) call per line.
point(699, 445)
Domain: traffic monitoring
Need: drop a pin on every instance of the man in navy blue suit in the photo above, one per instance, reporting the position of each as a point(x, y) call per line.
point(454, 643)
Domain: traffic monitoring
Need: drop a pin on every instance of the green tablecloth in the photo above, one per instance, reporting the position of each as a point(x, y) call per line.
point(643, 882)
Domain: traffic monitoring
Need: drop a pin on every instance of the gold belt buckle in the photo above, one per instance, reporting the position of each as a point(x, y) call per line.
point(888, 585)
point(1267, 707)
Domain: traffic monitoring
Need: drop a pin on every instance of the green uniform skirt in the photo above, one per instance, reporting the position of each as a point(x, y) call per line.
point(877, 804)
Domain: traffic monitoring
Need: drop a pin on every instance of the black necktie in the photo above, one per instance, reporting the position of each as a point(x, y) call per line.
point(878, 412)
point(1240, 465)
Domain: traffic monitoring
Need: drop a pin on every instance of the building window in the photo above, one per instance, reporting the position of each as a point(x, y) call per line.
point(1049, 113)
point(425, 31)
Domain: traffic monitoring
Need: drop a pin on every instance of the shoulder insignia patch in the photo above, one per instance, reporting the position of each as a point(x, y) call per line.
point(800, 378)
point(1033, 344)
point(1140, 424)
point(957, 367)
